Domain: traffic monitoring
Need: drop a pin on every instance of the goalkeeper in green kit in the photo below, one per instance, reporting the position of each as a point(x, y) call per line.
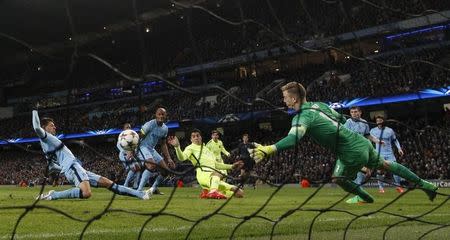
point(326, 127)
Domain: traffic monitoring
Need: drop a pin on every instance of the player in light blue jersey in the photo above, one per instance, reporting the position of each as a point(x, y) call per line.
point(130, 165)
point(384, 149)
point(57, 153)
point(358, 125)
point(154, 132)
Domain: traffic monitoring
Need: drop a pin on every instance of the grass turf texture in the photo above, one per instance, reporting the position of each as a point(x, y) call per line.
point(44, 223)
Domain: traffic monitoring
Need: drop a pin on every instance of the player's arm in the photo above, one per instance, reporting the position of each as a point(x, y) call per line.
point(181, 155)
point(166, 154)
point(347, 123)
point(341, 119)
point(372, 136)
point(373, 139)
point(295, 134)
point(224, 166)
point(37, 125)
point(223, 150)
point(369, 136)
point(209, 145)
point(397, 144)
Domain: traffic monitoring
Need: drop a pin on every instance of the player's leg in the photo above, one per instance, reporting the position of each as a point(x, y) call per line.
point(158, 160)
point(230, 190)
point(343, 175)
point(145, 156)
point(215, 179)
point(154, 188)
point(407, 174)
point(360, 177)
point(137, 179)
point(130, 176)
point(210, 181)
point(246, 169)
point(99, 181)
point(397, 179)
point(380, 181)
point(76, 175)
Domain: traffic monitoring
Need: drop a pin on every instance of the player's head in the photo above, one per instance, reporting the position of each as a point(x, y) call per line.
point(196, 136)
point(48, 125)
point(126, 126)
point(161, 115)
point(214, 135)
point(245, 138)
point(379, 120)
point(294, 95)
point(355, 112)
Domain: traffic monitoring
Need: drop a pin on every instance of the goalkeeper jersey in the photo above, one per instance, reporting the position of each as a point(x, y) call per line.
point(326, 126)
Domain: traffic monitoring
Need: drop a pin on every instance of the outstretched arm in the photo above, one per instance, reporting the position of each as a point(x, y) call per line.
point(397, 145)
point(37, 125)
point(182, 156)
point(295, 134)
point(224, 151)
point(166, 154)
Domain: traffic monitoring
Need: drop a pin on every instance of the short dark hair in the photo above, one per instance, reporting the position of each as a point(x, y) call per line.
point(355, 107)
point(196, 130)
point(296, 89)
point(158, 106)
point(215, 131)
point(245, 134)
point(45, 121)
point(126, 126)
point(380, 117)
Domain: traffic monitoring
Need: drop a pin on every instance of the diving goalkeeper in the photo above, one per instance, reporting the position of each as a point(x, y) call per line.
point(326, 127)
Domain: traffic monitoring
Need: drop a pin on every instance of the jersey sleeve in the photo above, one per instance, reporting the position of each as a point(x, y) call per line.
point(37, 126)
point(366, 129)
point(223, 166)
point(119, 147)
point(183, 155)
point(372, 133)
point(339, 117)
point(223, 150)
point(395, 140)
point(347, 123)
point(148, 127)
point(302, 119)
point(298, 129)
point(209, 145)
point(166, 131)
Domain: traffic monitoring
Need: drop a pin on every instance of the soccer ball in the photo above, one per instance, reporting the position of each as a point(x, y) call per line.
point(128, 140)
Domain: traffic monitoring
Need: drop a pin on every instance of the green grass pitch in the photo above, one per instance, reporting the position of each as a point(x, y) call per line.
point(45, 224)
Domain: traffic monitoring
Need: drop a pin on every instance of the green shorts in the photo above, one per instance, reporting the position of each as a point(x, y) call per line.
point(351, 160)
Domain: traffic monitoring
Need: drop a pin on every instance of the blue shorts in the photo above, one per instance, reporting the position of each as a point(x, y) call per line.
point(128, 165)
point(76, 174)
point(145, 153)
point(389, 157)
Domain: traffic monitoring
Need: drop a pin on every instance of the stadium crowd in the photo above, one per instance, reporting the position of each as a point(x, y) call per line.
point(426, 152)
point(328, 83)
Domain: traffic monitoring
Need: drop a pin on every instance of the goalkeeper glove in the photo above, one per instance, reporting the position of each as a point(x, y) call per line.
point(261, 152)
